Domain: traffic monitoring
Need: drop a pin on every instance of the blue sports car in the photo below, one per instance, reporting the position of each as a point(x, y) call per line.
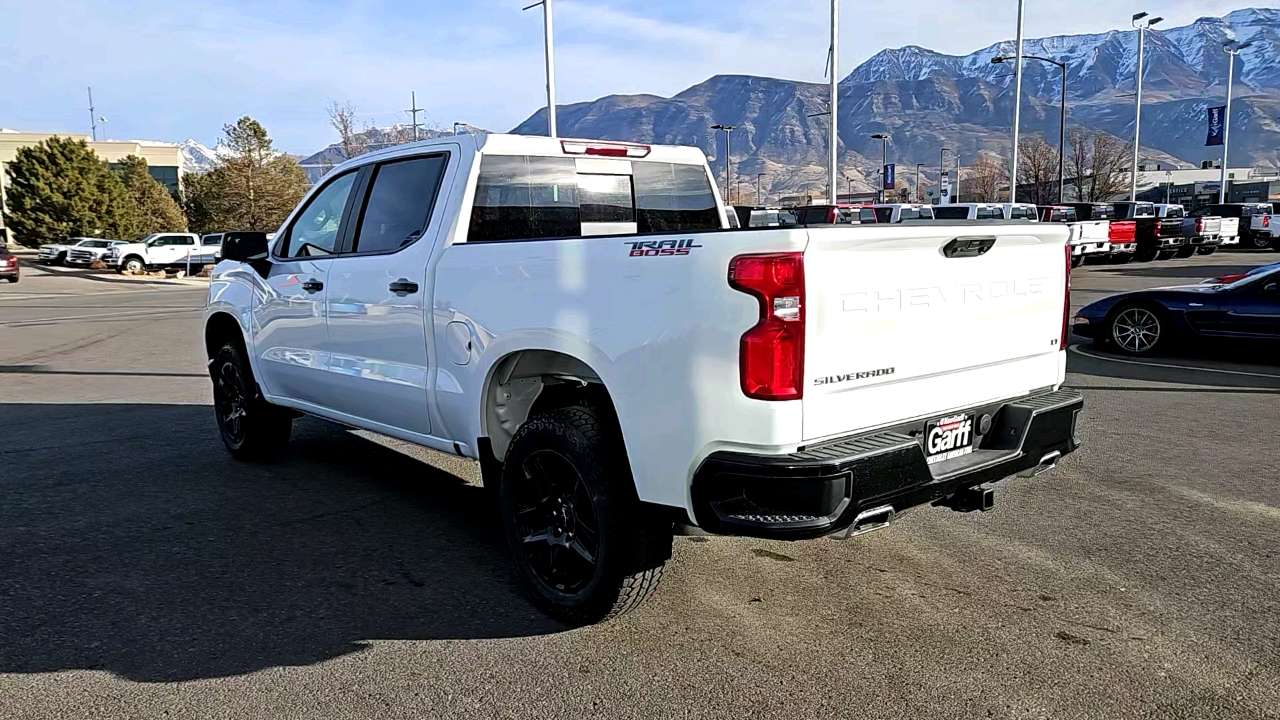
point(1143, 322)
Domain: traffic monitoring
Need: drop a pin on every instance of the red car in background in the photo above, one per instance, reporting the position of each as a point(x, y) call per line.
point(9, 265)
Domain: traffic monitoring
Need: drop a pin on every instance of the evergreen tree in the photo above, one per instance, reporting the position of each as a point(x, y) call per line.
point(258, 185)
point(60, 189)
point(150, 208)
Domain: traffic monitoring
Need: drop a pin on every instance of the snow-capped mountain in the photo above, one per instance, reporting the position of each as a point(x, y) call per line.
point(1188, 58)
point(197, 157)
point(928, 100)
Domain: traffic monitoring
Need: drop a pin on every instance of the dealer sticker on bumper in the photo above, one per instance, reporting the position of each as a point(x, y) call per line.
point(947, 438)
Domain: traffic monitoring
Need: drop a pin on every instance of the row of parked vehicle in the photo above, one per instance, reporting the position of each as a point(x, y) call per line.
point(158, 251)
point(1117, 232)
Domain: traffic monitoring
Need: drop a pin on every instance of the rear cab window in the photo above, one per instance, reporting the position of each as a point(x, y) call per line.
point(536, 198)
point(951, 213)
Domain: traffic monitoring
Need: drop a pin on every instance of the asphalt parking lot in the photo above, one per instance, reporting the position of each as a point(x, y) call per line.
point(143, 573)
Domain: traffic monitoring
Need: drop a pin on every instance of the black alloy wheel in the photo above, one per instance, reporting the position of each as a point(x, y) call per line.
point(557, 521)
point(230, 397)
point(1207, 250)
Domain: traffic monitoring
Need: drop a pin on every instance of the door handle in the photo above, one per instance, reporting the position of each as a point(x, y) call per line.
point(313, 286)
point(403, 286)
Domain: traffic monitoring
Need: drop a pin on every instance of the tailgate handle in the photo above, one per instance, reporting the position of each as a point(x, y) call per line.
point(968, 246)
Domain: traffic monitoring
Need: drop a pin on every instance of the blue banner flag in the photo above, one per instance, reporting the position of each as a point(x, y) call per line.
point(1217, 125)
point(888, 176)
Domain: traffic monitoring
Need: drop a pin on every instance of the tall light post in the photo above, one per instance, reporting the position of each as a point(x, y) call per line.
point(835, 83)
point(1017, 104)
point(551, 64)
point(884, 165)
point(1137, 111)
point(727, 129)
point(1062, 120)
point(942, 168)
point(955, 194)
point(918, 166)
point(759, 197)
point(1232, 49)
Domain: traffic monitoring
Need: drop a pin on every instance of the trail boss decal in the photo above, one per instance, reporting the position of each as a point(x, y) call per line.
point(948, 437)
point(835, 379)
point(655, 248)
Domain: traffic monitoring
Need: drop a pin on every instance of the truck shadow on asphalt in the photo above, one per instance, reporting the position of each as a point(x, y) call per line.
point(131, 543)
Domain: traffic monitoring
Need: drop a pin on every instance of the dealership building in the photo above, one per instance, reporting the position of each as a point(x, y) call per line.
point(164, 160)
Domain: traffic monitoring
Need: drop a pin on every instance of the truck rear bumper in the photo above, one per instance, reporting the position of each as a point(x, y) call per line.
point(821, 489)
point(1090, 248)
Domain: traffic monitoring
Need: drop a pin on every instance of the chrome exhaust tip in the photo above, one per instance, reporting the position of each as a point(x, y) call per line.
point(1047, 463)
point(877, 518)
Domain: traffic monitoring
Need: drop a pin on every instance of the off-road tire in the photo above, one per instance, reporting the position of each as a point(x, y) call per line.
point(1077, 261)
point(1146, 255)
point(263, 430)
point(1207, 250)
point(132, 266)
point(1167, 254)
point(1186, 251)
point(633, 540)
point(1122, 259)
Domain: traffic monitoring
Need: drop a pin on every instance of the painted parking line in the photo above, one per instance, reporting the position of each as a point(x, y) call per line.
point(1170, 366)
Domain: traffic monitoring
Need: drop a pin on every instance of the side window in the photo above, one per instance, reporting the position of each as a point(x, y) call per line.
point(673, 198)
point(866, 215)
point(182, 240)
point(954, 213)
point(526, 198)
point(984, 213)
point(399, 203)
point(884, 215)
point(314, 232)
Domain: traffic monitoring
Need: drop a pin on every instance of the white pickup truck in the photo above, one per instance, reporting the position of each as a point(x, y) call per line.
point(1088, 237)
point(164, 251)
point(573, 315)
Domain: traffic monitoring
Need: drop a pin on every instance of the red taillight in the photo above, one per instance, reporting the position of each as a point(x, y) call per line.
point(771, 354)
point(1066, 301)
point(1266, 221)
point(832, 216)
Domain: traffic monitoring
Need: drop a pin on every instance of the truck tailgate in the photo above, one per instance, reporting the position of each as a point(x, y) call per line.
point(907, 322)
point(1089, 231)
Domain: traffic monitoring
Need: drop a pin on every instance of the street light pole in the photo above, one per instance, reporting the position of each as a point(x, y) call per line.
point(1232, 50)
point(918, 166)
point(835, 82)
point(955, 194)
point(551, 64)
point(884, 165)
point(727, 171)
point(942, 167)
point(759, 197)
point(1062, 120)
point(1137, 111)
point(1017, 105)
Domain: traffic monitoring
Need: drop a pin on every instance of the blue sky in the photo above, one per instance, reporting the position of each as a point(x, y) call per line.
point(166, 70)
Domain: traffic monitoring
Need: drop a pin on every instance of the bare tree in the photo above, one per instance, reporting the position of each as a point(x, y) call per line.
point(985, 178)
point(1100, 164)
point(352, 139)
point(1038, 167)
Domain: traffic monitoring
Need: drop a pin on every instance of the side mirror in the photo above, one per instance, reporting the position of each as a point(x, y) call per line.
point(245, 246)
